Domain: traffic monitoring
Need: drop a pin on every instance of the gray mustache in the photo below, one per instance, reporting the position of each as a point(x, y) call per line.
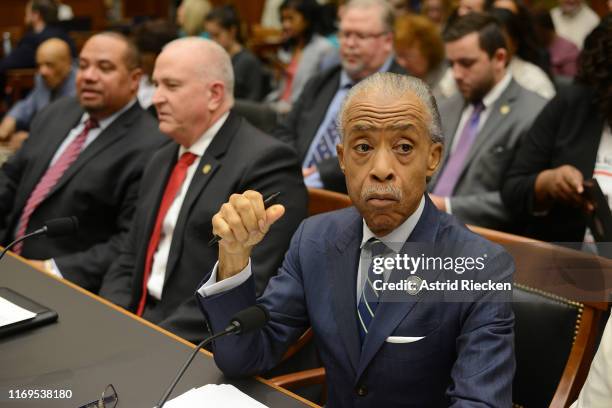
point(386, 189)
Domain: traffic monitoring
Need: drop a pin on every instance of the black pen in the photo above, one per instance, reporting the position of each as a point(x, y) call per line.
point(267, 203)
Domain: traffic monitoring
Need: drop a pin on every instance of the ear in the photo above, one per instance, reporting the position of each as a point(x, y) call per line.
point(434, 158)
point(217, 95)
point(340, 152)
point(501, 57)
point(135, 75)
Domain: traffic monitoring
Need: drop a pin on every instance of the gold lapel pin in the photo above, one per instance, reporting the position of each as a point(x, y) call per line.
point(206, 168)
point(504, 109)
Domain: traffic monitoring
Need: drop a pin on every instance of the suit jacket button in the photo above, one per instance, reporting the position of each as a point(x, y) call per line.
point(361, 390)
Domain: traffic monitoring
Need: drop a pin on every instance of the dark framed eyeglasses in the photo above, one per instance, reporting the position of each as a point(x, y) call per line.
point(108, 399)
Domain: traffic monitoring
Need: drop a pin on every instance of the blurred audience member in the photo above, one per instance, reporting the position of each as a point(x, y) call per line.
point(419, 48)
point(525, 57)
point(437, 11)
point(55, 78)
point(150, 37)
point(563, 53)
point(483, 124)
point(528, 60)
point(223, 26)
point(190, 16)
point(84, 157)
point(366, 47)
point(569, 142)
point(39, 18)
point(574, 20)
point(303, 50)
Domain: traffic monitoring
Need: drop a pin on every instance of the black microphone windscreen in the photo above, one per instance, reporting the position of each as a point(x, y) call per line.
point(251, 318)
point(62, 226)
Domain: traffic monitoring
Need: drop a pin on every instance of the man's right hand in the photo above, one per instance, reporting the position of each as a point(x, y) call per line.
point(242, 223)
point(563, 184)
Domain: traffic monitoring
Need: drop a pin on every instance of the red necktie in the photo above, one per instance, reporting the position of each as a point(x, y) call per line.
point(50, 179)
point(172, 189)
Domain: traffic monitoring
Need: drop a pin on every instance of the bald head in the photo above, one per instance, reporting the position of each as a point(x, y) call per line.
point(207, 59)
point(195, 85)
point(54, 61)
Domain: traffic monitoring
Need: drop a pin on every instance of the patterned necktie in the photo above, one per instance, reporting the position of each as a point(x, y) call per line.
point(50, 179)
point(450, 175)
point(326, 145)
point(368, 301)
point(176, 180)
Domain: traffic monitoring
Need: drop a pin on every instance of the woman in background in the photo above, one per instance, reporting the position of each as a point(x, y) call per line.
point(419, 48)
point(303, 49)
point(223, 26)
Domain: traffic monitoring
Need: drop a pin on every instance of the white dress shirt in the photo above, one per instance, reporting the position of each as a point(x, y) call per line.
point(155, 285)
point(394, 240)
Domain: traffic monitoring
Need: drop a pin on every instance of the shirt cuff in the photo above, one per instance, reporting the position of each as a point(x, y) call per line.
point(447, 203)
point(314, 180)
point(212, 287)
point(51, 266)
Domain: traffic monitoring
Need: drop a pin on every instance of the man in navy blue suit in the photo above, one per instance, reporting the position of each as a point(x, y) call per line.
point(421, 345)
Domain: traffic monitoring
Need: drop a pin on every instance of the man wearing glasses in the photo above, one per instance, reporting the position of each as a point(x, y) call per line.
point(366, 47)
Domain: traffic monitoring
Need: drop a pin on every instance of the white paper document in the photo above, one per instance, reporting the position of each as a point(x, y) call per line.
point(213, 395)
point(11, 313)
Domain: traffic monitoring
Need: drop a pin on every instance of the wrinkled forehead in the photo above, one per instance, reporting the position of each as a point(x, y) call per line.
point(375, 111)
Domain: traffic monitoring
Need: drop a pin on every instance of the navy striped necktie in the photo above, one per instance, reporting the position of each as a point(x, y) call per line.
point(368, 301)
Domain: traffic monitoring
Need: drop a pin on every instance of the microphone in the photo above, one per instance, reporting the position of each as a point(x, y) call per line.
point(247, 320)
point(56, 227)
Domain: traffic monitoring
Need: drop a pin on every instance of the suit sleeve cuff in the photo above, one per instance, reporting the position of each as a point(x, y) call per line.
point(212, 287)
point(447, 203)
point(314, 180)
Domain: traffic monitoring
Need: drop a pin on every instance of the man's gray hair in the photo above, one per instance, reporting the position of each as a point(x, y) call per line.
point(218, 64)
point(395, 86)
point(387, 15)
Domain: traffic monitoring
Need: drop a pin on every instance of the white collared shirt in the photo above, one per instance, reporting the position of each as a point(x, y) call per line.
point(155, 285)
point(93, 133)
point(394, 240)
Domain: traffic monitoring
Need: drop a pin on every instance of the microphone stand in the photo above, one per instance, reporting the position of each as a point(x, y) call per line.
point(230, 329)
point(12, 244)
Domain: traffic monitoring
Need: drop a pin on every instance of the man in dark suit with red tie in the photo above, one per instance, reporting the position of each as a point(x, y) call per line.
point(217, 153)
point(84, 158)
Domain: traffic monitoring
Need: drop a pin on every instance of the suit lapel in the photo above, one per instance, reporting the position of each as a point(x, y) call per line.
point(343, 256)
point(57, 132)
point(211, 161)
point(113, 132)
point(390, 313)
point(491, 126)
point(454, 117)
